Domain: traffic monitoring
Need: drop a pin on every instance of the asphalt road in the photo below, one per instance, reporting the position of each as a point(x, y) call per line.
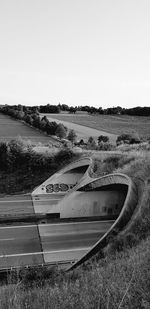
point(17, 245)
point(23, 205)
point(70, 241)
point(45, 203)
point(16, 205)
point(21, 245)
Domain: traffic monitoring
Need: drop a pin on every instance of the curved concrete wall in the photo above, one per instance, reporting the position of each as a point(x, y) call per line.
point(92, 203)
point(123, 218)
point(47, 196)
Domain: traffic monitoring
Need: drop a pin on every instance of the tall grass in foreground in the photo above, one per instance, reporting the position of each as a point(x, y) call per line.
point(118, 281)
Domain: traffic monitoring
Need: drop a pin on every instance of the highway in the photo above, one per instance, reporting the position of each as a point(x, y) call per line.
point(48, 243)
point(23, 205)
point(16, 205)
point(19, 240)
point(46, 203)
point(70, 241)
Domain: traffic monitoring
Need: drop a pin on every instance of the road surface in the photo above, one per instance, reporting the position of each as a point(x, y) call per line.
point(15, 241)
point(16, 205)
point(48, 243)
point(25, 205)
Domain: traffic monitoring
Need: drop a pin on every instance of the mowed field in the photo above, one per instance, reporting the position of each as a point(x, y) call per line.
point(11, 129)
point(113, 124)
point(82, 131)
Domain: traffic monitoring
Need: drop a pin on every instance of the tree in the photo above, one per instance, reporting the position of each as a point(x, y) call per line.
point(43, 123)
point(51, 127)
point(72, 109)
point(20, 115)
point(90, 140)
point(28, 118)
point(132, 138)
point(49, 109)
point(16, 149)
point(105, 146)
point(81, 142)
point(61, 131)
point(93, 110)
point(3, 156)
point(103, 138)
point(91, 143)
point(72, 136)
point(36, 121)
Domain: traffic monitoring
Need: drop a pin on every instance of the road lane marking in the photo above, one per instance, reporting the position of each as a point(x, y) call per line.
point(76, 223)
point(55, 224)
point(6, 239)
point(28, 201)
point(71, 233)
point(16, 201)
point(44, 252)
point(17, 227)
point(51, 199)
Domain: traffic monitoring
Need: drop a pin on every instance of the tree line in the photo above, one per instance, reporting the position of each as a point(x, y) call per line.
point(136, 111)
point(50, 108)
point(31, 116)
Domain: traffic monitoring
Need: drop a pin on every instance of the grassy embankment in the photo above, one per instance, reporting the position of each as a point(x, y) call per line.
point(116, 124)
point(22, 169)
point(121, 279)
point(11, 129)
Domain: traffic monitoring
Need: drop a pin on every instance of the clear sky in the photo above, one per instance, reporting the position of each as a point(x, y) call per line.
point(76, 52)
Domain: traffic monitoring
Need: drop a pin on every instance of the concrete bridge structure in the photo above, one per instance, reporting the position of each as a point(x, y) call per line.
point(86, 212)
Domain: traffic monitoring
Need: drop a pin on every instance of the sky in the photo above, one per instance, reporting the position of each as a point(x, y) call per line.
point(75, 52)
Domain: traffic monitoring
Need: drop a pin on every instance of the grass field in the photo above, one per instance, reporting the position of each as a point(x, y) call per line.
point(116, 124)
point(11, 129)
point(84, 132)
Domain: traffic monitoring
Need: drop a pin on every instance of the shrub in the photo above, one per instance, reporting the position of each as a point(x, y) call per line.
point(3, 156)
point(51, 127)
point(72, 136)
point(105, 146)
point(61, 131)
point(103, 138)
point(15, 155)
point(91, 144)
point(64, 156)
point(128, 139)
point(81, 142)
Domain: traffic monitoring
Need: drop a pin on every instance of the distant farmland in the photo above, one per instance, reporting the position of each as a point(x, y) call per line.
point(83, 132)
point(11, 129)
point(114, 124)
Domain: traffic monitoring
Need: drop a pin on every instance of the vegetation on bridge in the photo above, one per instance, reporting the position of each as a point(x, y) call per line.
point(118, 277)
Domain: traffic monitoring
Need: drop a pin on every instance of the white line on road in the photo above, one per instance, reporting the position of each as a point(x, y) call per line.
point(76, 223)
point(46, 252)
point(46, 200)
point(6, 239)
point(54, 224)
point(15, 201)
point(29, 201)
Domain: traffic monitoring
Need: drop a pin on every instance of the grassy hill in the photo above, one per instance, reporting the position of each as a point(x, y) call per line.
point(118, 277)
point(11, 129)
point(117, 124)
